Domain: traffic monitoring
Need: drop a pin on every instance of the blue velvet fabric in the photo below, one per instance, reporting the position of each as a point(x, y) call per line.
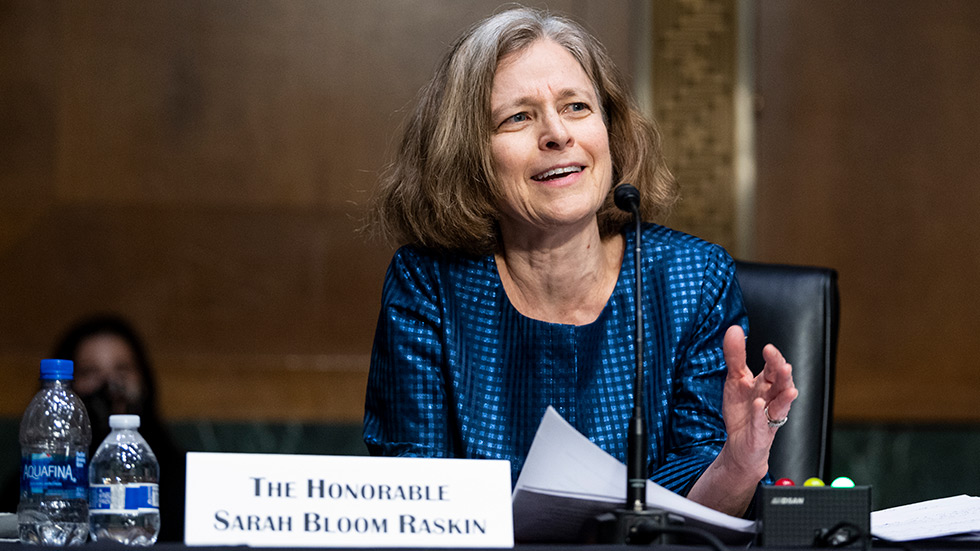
point(457, 371)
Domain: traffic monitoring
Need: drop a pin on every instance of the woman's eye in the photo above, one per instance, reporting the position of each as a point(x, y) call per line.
point(578, 106)
point(520, 117)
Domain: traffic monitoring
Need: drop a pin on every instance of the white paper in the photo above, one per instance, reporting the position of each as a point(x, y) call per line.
point(937, 518)
point(568, 480)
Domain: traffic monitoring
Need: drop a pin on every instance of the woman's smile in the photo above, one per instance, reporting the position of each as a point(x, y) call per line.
point(557, 173)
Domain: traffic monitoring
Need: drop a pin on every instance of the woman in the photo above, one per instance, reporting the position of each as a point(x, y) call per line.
point(513, 292)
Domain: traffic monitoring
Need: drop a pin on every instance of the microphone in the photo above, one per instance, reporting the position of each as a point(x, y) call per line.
point(627, 198)
point(635, 523)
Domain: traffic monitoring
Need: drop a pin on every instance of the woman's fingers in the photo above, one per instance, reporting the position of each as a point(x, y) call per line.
point(734, 349)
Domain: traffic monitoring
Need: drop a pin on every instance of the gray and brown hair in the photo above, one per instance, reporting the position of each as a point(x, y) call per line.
point(440, 192)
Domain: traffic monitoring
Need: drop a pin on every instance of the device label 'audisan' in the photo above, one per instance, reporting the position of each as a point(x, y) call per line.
point(786, 500)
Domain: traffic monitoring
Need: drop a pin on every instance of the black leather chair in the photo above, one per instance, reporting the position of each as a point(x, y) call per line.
point(796, 308)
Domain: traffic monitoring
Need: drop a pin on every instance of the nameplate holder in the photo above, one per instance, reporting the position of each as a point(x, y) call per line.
point(273, 500)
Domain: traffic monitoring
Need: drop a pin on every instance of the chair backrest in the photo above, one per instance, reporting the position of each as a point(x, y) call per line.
point(796, 308)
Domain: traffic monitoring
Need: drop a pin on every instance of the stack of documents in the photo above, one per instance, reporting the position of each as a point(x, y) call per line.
point(568, 481)
point(951, 518)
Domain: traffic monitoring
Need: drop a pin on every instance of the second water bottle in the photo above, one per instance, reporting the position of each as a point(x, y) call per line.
point(124, 503)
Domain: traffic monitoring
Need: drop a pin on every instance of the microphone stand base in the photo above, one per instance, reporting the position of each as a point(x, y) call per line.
point(626, 526)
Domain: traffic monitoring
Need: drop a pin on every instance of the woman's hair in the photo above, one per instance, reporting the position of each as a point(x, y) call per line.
point(440, 192)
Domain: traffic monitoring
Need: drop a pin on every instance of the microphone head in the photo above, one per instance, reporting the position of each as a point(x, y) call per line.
point(626, 197)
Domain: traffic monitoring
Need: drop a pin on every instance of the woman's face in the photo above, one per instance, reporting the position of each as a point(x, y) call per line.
point(105, 362)
point(550, 145)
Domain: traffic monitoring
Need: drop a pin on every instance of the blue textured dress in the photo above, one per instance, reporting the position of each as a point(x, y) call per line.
point(457, 371)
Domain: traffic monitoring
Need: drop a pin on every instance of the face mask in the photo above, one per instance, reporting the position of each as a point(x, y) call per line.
point(107, 400)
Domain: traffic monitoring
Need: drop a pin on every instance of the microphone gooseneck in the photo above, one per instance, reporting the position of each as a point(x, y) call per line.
point(627, 198)
point(636, 523)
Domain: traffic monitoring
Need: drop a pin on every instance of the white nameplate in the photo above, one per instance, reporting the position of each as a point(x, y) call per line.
point(270, 500)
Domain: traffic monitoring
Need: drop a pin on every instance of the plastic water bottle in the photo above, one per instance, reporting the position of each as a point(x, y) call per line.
point(124, 492)
point(54, 438)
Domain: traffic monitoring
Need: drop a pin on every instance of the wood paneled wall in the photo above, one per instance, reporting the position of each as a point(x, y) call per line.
point(202, 168)
point(694, 82)
point(868, 140)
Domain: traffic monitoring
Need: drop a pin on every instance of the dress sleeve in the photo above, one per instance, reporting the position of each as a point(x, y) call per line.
point(697, 428)
point(406, 411)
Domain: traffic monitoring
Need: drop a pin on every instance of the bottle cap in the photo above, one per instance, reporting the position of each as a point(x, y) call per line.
point(124, 421)
point(57, 369)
